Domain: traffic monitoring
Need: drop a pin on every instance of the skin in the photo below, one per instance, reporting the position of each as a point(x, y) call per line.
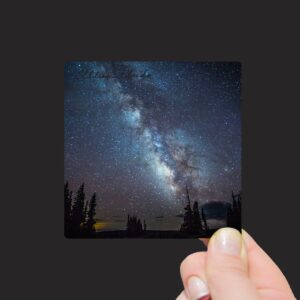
point(251, 274)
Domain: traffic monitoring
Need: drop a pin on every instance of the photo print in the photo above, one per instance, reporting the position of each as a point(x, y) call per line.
point(152, 149)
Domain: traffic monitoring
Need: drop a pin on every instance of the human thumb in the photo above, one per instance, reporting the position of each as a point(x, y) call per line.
point(226, 268)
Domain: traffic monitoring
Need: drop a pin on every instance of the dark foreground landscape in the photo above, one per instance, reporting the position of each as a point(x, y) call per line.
point(80, 220)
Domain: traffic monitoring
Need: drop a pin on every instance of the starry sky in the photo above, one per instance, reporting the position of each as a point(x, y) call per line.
point(137, 133)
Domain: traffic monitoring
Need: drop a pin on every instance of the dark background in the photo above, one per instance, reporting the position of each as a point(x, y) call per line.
point(38, 261)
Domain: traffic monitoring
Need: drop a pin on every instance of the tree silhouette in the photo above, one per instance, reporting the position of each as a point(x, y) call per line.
point(188, 215)
point(91, 215)
point(134, 226)
point(234, 212)
point(78, 216)
point(67, 207)
point(145, 226)
point(85, 212)
point(197, 224)
point(204, 219)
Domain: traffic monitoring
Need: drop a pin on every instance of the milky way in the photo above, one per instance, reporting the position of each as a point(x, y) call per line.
point(137, 133)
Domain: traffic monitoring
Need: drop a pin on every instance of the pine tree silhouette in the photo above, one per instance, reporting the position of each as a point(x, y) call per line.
point(187, 225)
point(91, 215)
point(134, 226)
point(204, 219)
point(78, 217)
point(67, 208)
point(234, 212)
point(197, 224)
point(85, 212)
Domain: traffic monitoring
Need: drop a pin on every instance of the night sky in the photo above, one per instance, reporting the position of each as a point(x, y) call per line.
point(137, 133)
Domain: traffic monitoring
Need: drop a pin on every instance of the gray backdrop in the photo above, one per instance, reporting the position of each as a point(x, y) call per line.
point(38, 262)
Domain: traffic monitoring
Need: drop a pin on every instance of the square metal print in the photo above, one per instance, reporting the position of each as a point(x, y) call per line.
point(152, 149)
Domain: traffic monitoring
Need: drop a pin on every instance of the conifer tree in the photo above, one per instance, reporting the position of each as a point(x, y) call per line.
point(91, 214)
point(85, 215)
point(234, 212)
point(197, 225)
point(67, 207)
point(204, 219)
point(77, 211)
point(187, 225)
point(134, 225)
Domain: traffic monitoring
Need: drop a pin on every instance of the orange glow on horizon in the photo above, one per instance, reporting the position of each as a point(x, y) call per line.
point(101, 225)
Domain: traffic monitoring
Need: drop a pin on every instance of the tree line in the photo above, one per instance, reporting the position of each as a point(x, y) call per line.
point(79, 213)
point(80, 216)
point(195, 222)
point(134, 226)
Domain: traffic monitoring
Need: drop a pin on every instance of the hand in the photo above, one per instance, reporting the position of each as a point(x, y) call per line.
point(233, 268)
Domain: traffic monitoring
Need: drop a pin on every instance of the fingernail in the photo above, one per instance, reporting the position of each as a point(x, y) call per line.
point(197, 289)
point(228, 241)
